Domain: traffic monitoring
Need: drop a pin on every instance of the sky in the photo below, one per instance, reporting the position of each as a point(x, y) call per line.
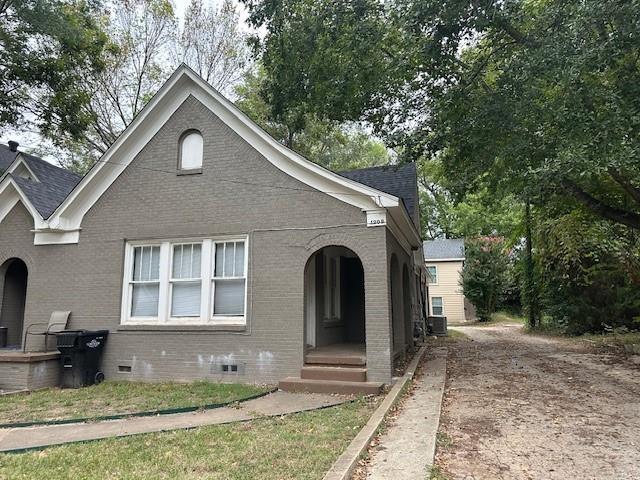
point(29, 140)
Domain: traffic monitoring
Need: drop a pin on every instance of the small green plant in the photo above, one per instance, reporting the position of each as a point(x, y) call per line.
point(436, 474)
point(443, 440)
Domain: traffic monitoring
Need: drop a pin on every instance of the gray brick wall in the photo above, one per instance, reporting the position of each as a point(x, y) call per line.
point(235, 194)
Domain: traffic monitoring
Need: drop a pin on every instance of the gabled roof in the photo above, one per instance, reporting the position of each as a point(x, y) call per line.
point(446, 249)
point(52, 186)
point(6, 157)
point(398, 180)
point(65, 223)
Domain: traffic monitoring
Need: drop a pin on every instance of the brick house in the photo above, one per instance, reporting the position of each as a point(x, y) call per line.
point(211, 251)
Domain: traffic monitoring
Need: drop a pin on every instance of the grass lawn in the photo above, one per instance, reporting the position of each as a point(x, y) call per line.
point(111, 398)
point(612, 339)
point(453, 336)
point(504, 317)
point(297, 446)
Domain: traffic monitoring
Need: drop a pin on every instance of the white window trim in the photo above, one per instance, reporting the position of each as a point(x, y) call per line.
point(173, 281)
point(224, 319)
point(329, 255)
point(443, 311)
point(428, 276)
point(164, 303)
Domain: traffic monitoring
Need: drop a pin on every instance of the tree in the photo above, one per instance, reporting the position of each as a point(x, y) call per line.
point(484, 274)
point(146, 48)
point(47, 47)
point(212, 43)
point(536, 99)
point(318, 53)
point(330, 144)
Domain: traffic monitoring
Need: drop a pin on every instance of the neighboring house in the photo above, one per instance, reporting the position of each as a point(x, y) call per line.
point(444, 260)
point(211, 251)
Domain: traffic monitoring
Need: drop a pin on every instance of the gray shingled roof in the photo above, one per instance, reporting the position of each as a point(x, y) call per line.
point(442, 249)
point(54, 185)
point(6, 157)
point(400, 181)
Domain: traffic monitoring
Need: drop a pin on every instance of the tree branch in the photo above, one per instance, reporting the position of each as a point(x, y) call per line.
point(625, 217)
point(629, 188)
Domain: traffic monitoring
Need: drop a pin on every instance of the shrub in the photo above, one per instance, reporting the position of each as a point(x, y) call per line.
point(484, 274)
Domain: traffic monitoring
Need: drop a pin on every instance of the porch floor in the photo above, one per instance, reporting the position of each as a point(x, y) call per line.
point(337, 354)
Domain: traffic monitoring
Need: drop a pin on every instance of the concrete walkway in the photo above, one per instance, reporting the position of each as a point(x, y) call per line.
point(274, 404)
point(407, 448)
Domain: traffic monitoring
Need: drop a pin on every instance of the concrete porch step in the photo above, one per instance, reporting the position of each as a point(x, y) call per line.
point(324, 372)
point(344, 359)
point(295, 384)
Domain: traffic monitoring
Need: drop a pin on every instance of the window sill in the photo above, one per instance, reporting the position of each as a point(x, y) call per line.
point(191, 171)
point(182, 328)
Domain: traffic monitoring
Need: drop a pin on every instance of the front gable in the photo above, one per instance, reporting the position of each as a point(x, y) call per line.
point(237, 189)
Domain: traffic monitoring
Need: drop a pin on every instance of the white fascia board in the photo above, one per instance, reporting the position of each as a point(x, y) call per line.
point(406, 226)
point(10, 195)
point(183, 83)
point(21, 162)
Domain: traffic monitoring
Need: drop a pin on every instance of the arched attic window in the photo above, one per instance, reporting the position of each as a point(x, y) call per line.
point(190, 151)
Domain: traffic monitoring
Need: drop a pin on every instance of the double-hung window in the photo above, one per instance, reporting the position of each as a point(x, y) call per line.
point(432, 274)
point(229, 279)
point(186, 280)
point(144, 282)
point(437, 306)
point(194, 282)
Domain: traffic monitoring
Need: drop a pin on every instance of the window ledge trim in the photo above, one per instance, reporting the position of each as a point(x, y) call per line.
point(188, 171)
point(182, 328)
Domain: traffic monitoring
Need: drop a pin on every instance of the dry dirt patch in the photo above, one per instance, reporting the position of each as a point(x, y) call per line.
point(524, 407)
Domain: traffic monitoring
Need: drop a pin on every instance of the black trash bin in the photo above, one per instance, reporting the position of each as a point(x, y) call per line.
point(81, 351)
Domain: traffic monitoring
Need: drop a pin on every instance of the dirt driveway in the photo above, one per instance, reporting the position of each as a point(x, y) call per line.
point(525, 407)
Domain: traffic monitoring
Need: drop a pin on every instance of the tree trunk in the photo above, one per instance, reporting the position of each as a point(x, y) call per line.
point(530, 296)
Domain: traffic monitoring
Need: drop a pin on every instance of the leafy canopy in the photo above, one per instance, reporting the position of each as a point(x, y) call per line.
point(47, 46)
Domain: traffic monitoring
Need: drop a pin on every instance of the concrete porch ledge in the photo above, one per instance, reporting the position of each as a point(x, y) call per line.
point(29, 370)
point(18, 356)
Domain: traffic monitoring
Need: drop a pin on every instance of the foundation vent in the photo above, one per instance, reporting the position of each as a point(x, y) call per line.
point(229, 368)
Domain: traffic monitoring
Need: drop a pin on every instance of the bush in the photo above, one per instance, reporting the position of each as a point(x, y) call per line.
point(484, 274)
point(589, 274)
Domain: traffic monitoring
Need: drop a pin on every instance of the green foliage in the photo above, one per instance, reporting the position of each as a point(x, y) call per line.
point(328, 143)
point(47, 47)
point(589, 274)
point(322, 57)
point(483, 274)
point(450, 215)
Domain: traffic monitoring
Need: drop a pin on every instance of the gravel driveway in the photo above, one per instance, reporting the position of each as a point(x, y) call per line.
point(524, 407)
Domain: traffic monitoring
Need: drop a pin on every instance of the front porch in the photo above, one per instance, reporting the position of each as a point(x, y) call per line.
point(334, 368)
point(28, 370)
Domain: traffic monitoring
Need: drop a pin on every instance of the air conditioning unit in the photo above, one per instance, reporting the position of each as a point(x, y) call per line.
point(438, 325)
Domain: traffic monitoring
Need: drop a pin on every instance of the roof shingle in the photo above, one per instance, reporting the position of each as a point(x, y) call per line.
point(444, 249)
point(54, 185)
point(398, 180)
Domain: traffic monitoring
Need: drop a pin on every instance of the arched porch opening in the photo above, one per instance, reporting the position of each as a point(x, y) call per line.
point(334, 303)
point(13, 295)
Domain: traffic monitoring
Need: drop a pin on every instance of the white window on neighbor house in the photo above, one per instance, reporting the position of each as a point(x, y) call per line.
point(331, 286)
point(437, 306)
point(432, 274)
point(186, 282)
point(191, 151)
point(229, 280)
